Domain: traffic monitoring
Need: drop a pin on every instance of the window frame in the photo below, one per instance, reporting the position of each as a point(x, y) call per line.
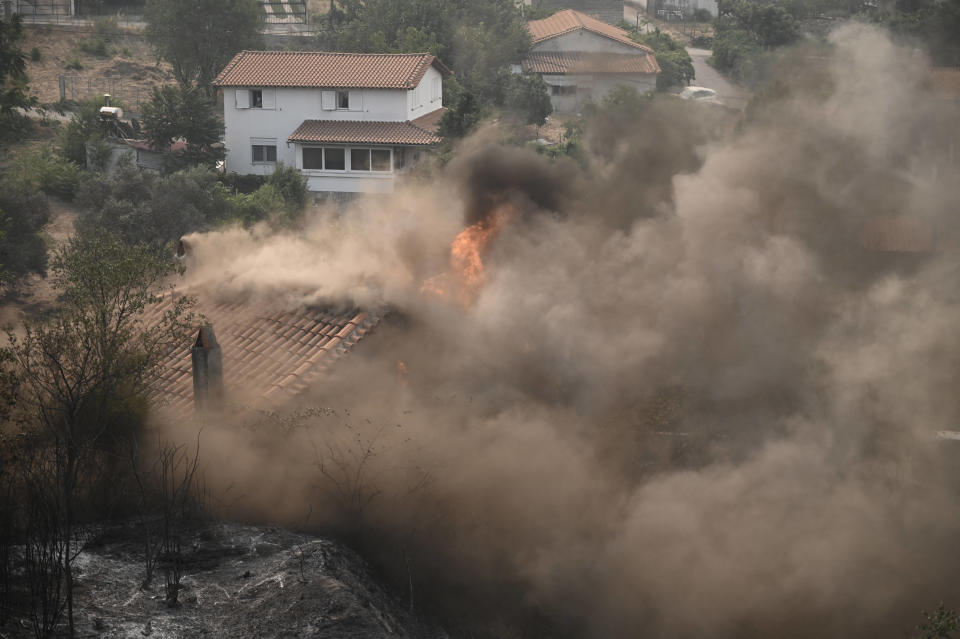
point(264, 153)
point(348, 151)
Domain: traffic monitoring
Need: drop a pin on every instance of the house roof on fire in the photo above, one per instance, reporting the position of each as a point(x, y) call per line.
point(568, 21)
point(268, 355)
point(319, 69)
point(422, 131)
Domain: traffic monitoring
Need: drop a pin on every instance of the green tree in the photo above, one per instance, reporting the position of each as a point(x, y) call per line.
point(199, 37)
point(23, 213)
point(175, 112)
point(84, 126)
point(939, 624)
point(676, 67)
point(93, 354)
point(529, 96)
point(13, 75)
point(142, 207)
point(479, 39)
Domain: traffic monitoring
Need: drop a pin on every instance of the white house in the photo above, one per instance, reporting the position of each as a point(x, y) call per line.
point(350, 122)
point(582, 58)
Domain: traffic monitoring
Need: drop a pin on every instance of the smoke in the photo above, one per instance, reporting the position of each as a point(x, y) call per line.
point(691, 399)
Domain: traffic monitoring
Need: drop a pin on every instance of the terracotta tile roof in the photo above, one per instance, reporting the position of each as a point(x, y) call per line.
point(268, 355)
point(344, 132)
point(568, 20)
point(574, 62)
point(333, 70)
point(898, 234)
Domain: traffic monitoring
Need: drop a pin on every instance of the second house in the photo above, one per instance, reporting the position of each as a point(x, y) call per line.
point(350, 122)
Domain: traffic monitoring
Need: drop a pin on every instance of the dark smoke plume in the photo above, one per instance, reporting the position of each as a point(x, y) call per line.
point(696, 396)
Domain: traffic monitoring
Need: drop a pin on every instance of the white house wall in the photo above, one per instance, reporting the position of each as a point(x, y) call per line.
point(594, 87)
point(427, 97)
point(585, 41)
point(246, 127)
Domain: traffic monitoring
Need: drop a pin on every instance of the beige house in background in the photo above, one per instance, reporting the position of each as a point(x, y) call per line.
point(581, 59)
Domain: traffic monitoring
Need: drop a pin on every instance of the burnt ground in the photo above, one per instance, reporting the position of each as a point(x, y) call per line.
point(239, 582)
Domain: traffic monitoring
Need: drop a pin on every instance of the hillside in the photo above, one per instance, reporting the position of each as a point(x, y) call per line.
point(241, 582)
point(128, 68)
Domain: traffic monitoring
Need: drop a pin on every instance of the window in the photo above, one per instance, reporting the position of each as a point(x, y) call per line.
point(563, 90)
point(380, 159)
point(436, 90)
point(312, 158)
point(334, 159)
point(256, 98)
point(264, 152)
point(359, 159)
point(316, 158)
point(343, 99)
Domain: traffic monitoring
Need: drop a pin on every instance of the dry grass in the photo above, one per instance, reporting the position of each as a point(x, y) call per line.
point(129, 57)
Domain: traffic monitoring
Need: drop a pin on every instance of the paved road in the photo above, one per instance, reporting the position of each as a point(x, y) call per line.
point(730, 94)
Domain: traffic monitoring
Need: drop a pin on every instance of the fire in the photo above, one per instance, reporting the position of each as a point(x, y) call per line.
point(467, 272)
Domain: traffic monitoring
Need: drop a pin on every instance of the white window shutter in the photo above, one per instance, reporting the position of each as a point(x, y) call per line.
point(269, 99)
point(243, 99)
point(328, 100)
point(356, 100)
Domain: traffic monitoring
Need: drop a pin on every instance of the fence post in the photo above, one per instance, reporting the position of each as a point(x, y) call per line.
point(63, 88)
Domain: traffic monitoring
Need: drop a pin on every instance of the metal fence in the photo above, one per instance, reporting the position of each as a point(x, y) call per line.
point(77, 88)
point(283, 12)
point(72, 11)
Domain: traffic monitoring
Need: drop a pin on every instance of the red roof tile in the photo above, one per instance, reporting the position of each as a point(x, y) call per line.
point(568, 21)
point(342, 132)
point(333, 70)
point(266, 364)
point(576, 62)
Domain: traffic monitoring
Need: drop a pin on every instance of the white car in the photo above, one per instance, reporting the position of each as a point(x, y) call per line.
point(700, 94)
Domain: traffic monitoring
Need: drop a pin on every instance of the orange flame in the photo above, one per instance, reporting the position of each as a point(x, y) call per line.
point(466, 258)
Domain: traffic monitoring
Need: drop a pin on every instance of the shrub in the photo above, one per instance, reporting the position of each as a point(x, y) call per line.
point(74, 65)
point(23, 213)
point(35, 54)
point(702, 15)
point(42, 170)
point(95, 46)
point(291, 184)
point(676, 67)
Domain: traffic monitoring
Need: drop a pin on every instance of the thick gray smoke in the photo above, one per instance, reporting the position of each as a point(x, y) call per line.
point(693, 396)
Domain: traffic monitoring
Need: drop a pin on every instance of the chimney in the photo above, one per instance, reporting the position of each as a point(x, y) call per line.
point(207, 370)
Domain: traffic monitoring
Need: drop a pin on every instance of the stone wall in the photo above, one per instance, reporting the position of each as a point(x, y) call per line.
point(607, 10)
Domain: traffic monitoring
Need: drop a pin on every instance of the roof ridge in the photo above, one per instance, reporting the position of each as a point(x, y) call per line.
point(342, 53)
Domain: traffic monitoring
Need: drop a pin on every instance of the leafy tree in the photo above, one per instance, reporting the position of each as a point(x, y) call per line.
point(94, 353)
point(84, 126)
point(23, 213)
point(462, 117)
point(479, 39)
point(291, 185)
point(13, 75)
point(199, 37)
point(142, 207)
point(175, 112)
point(676, 67)
point(939, 624)
point(746, 30)
point(528, 95)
